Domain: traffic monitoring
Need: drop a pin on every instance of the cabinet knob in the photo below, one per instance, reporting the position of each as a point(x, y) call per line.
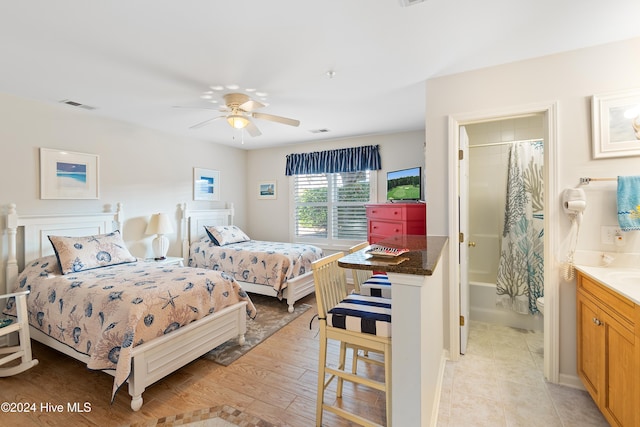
point(597, 321)
point(472, 244)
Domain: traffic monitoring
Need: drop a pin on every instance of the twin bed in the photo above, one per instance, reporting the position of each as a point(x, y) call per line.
point(281, 270)
point(137, 321)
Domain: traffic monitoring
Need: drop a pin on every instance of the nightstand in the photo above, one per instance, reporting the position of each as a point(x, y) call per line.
point(170, 260)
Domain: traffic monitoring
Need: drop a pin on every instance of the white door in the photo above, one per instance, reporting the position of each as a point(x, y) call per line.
point(463, 206)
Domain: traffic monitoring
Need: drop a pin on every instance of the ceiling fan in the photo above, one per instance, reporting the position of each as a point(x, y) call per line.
point(240, 109)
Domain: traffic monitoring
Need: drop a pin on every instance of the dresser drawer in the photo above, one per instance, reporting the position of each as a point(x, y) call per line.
point(394, 213)
point(386, 228)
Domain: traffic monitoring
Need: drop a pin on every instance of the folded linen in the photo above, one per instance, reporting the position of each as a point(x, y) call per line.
point(629, 202)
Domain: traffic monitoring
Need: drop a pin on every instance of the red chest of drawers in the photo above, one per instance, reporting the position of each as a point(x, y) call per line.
point(391, 219)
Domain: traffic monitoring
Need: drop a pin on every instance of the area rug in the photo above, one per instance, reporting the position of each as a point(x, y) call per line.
point(217, 416)
point(272, 316)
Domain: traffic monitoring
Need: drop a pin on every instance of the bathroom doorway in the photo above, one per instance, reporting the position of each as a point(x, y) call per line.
point(542, 117)
point(490, 145)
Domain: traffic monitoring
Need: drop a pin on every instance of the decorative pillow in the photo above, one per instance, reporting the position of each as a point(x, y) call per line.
point(225, 234)
point(84, 253)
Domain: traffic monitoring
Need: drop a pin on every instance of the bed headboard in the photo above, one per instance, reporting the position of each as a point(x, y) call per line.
point(32, 242)
point(193, 222)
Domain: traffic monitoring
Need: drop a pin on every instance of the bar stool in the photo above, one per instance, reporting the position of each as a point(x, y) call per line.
point(357, 321)
point(367, 282)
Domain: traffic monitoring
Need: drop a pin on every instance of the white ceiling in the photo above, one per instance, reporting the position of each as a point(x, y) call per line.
point(136, 60)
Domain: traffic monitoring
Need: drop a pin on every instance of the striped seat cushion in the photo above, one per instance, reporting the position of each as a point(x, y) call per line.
point(377, 285)
point(361, 313)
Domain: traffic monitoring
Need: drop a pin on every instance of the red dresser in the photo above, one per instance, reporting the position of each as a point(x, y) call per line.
point(390, 219)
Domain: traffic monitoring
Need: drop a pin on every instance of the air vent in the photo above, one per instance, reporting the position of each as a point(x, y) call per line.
point(319, 131)
point(77, 104)
point(406, 3)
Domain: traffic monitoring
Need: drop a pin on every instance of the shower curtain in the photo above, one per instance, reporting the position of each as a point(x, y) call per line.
point(521, 266)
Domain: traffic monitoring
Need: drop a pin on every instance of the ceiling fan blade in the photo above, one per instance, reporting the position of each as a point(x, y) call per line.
point(253, 129)
point(206, 122)
point(283, 120)
point(251, 105)
point(222, 109)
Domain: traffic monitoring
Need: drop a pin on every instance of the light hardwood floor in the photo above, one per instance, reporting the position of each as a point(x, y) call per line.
point(275, 381)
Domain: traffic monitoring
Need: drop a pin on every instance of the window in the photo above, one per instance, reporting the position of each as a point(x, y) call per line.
point(329, 208)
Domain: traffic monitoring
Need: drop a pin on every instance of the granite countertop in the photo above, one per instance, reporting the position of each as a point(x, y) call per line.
point(422, 259)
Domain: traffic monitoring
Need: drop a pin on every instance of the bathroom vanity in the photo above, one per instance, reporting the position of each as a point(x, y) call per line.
point(608, 340)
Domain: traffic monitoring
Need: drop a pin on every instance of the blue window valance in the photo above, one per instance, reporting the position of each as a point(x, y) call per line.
point(352, 159)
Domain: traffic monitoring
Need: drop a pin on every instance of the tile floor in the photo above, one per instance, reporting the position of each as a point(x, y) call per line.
point(500, 382)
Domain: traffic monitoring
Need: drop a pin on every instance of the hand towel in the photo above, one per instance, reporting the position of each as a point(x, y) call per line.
point(629, 202)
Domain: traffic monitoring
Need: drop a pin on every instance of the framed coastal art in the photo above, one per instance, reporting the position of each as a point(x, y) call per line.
point(206, 184)
point(267, 190)
point(68, 175)
point(616, 124)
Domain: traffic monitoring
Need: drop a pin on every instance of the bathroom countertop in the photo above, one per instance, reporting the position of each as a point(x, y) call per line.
point(623, 280)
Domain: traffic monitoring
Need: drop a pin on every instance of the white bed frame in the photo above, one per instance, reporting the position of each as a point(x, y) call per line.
point(192, 230)
point(150, 361)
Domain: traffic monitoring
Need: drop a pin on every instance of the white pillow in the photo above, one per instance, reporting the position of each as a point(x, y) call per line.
point(225, 234)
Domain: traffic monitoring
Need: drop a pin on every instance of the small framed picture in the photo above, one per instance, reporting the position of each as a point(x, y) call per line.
point(68, 175)
point(206, 184)
point(616, 124)
point(267, 190)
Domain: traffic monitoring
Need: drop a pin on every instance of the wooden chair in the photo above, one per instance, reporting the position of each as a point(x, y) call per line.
point(21, 326)
point(357, 321)
point(367, 282)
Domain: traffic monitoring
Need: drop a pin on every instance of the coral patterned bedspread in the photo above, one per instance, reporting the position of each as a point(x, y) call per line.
point(105, 312)
point(255, 261)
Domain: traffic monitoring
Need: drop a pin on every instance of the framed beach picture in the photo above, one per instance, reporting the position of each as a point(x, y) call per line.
point(267, 190)
point(616, 124)
point(68, 175)
point(206, 184)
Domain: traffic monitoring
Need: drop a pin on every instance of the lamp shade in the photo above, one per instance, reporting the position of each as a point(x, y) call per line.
point(159, 224)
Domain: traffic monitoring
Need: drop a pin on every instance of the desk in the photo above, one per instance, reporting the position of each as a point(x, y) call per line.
point(417, 314)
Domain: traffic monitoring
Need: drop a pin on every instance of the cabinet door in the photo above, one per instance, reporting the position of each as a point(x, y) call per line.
point(618, 404)
point(590, 343)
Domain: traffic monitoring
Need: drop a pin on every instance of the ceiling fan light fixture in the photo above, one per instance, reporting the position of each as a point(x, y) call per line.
point(237, 121)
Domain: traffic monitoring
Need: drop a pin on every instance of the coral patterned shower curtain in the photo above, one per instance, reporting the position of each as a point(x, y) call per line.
point(521, 267)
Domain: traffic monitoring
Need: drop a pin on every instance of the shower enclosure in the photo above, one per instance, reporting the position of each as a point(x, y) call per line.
point(489, 145)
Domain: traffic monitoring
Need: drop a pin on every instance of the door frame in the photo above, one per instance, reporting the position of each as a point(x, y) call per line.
point(551, 294)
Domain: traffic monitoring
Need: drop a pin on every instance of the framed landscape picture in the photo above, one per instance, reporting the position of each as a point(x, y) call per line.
point(267, 190)
point(68, 175)
point(206, 184)
point(616, 124)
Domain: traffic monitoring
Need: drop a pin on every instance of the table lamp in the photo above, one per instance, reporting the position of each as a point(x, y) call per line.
point(160, 225)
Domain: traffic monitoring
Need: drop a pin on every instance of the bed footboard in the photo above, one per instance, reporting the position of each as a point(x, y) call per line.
point(160, 357)
point(296, 289)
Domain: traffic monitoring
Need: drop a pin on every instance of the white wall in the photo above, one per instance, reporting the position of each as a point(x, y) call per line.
point(147, 171)
point(271, 219)
point(570, 79)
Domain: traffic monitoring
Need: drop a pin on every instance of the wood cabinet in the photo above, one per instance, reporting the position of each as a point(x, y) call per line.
point(391, 219)
point(608, 340)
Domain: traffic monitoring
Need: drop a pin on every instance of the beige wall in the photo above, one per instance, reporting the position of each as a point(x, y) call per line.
point(570, 79)
point(271, 219)
point(147, 171)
